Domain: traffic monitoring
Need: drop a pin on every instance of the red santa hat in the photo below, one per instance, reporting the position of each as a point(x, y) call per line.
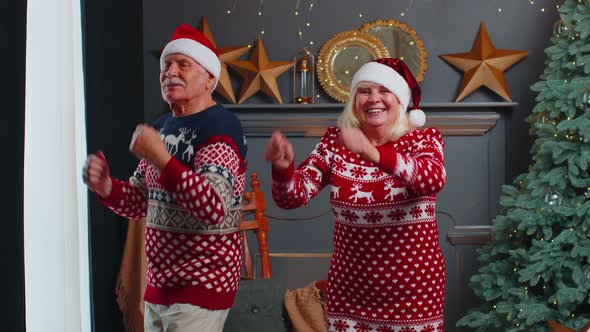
point(397, 78)
point(191, 42)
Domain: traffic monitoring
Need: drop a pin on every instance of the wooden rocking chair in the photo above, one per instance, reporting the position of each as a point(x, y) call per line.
point(131, 281)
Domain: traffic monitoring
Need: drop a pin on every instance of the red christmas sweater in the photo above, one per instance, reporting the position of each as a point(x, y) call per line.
point(192, 210)
point(387, 271)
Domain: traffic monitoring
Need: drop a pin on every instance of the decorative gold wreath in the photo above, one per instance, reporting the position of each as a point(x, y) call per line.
point(331, 48)
point(404, 27)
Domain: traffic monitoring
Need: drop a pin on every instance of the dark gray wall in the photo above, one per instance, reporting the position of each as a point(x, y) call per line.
point(12, 85)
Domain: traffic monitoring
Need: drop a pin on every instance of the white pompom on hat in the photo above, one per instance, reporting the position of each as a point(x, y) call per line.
point(396, 77)
point(191, 42)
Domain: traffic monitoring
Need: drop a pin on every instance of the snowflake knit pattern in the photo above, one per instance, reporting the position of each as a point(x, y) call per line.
point(387, 272)
point(192, 210)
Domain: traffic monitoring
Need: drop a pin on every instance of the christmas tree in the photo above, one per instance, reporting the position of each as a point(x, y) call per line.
point(537, 267)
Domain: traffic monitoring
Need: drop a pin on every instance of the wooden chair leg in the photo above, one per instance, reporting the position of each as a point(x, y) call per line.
point(264, 257)
point(247, 257)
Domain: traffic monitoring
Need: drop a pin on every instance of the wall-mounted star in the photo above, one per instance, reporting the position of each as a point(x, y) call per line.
point(484, 65)
point(556, 327)
point(226, 54)
point(259, 73)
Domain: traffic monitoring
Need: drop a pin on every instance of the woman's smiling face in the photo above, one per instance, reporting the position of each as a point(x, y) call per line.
point(375, 106)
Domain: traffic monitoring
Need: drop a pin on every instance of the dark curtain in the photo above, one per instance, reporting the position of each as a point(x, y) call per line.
point(113, 68)
point(12, 34)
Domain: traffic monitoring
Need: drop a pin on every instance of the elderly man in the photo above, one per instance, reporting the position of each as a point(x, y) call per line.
point(189, 185)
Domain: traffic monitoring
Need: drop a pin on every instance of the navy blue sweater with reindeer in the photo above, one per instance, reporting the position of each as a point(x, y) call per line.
point(192, 209)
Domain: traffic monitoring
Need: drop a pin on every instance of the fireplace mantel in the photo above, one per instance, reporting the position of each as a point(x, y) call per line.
point(311, 120)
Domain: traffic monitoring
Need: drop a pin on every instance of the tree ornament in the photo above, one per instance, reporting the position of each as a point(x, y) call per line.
point(556, 327)
point(587, 193)
point(560, 30)
point(586, 100)
point(553, 198)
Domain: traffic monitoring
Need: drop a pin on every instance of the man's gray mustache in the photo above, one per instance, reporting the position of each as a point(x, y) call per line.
point(173, 81)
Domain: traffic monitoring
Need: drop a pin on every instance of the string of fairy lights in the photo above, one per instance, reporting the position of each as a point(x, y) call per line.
point(543, 9)
point(298, 14)
point(401, 14)
point(261, 17)
point(307, 20)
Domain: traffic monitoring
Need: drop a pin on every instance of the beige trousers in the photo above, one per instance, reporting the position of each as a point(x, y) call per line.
point(181, 317)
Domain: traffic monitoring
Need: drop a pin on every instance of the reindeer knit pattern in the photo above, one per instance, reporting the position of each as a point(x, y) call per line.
point(192, 210)
point(387, 272)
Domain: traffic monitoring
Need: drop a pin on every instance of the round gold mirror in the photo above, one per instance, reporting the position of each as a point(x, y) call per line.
point(342, 56)
point(402, 42)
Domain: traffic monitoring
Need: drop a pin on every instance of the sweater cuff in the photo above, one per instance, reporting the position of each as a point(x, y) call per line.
point(283, 175)
point(172, 174)
point(387, 159)
point(116, 197)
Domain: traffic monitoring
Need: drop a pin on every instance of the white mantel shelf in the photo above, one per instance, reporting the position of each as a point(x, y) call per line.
point(311, 120)
point(435, 105)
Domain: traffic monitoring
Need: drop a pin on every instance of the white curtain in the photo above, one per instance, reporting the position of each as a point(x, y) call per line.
point(57, 277)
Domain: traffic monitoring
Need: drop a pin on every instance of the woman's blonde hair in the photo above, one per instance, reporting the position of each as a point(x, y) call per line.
point(348, 118)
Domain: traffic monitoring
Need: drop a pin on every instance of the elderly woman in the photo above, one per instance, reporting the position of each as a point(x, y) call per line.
point(387, 271)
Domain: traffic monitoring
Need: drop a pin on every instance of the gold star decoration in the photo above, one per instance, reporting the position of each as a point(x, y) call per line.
point(556, 327)
point(226, 54)
point(259, 73)
point(484, 65)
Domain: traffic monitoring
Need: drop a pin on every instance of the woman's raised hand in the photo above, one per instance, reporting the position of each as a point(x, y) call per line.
point(355, 140)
